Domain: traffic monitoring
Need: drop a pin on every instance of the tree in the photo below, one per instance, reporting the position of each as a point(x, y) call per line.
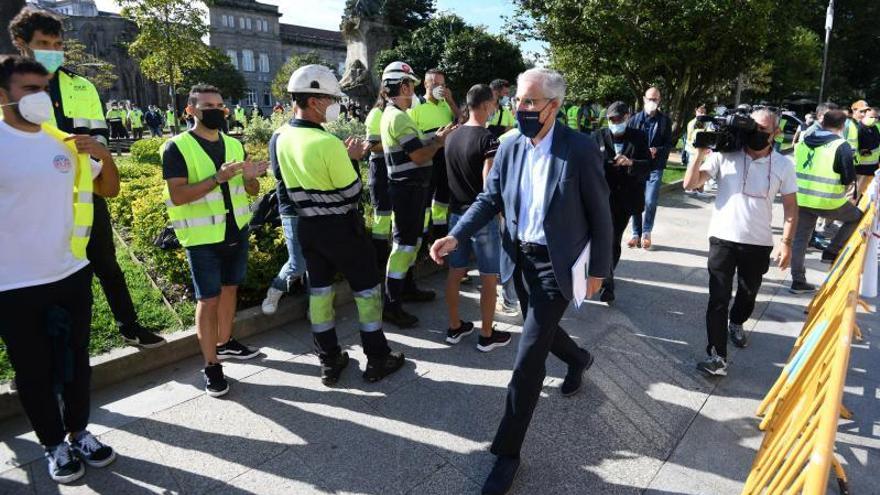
point(8, 10)
point(169, 40)
point(100, 72)
point(467, 54)
point(218, 72)
point(296, 60)
point(688, 48)
point(403, 16)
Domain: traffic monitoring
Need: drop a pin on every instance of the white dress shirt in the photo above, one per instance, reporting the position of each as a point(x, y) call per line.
point(533, 188)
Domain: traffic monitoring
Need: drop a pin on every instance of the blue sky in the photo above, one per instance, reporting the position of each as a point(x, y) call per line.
point(325, 14)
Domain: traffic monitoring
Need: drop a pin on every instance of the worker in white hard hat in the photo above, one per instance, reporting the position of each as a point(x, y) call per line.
point(408, 156)
point(316, 176)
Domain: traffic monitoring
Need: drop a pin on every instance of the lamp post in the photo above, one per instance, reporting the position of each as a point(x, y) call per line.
point(829, 22)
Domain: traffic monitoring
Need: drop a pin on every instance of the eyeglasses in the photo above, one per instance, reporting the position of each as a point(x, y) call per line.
point(530, 102)
point(746, 168)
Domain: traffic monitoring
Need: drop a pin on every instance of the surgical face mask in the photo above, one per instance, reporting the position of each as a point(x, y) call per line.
point(36, 108)
point(505, 100)
point(530, 121)
point(50, 59)
point(869, 121)
point(617, 129)
point(212, 118)
point(651, 106)
point(331, 113)
point(758, 140)
point(438, 93)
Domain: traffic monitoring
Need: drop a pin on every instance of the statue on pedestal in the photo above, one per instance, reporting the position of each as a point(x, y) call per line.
point(366, 34)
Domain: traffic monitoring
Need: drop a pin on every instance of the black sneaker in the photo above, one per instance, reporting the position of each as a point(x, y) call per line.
point(331, 368)
point(64, 467)
point(828, 257)
point(574, 378)
point(497, 339)
point(737, 335)
point(236, 350)
point(801, 288)
point(94, 453)
point(399, 318)
point(215, 383)
point(141, 337)
point(714, 365)
point(379, 368)
point(416, 295)
point(464, 329)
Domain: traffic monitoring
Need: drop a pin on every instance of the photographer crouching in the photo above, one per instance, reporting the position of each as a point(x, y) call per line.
point(749, 176)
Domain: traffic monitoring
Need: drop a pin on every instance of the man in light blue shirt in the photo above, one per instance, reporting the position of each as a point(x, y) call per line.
point(549, 184)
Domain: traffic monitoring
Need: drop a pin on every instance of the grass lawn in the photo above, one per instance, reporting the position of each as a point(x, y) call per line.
point(671, 175)
point(152, 311)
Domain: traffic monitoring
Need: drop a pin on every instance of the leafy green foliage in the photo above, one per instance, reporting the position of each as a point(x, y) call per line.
point(469, 55)
point(403, 16)
point(219, 72)
point(147, 150)
point(100, 72)
point(297, 60)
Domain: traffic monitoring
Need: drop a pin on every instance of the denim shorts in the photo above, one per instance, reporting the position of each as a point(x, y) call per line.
point(216, 265)
point(485, 244)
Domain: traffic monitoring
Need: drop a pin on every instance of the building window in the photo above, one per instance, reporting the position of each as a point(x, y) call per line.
point(250, 97)
point(266, 26)
point(264, 63)
point(247, 23)
point(247, 60)
point(233, 57)
point(223, 21)
point(267, 102)
point(241, 23)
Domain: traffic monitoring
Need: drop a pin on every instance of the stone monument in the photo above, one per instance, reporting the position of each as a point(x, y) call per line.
point(366, 34)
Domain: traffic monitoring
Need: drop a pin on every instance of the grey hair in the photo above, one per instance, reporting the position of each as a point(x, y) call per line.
point(552, 83)
point(764, 112)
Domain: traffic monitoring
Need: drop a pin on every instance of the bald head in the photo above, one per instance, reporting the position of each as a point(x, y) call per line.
point(652, 100)
point(652, 93)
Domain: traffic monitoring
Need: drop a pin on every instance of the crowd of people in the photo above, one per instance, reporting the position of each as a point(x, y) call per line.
point(522, 186)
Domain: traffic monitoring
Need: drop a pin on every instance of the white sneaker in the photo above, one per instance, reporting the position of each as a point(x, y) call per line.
point(270, 304)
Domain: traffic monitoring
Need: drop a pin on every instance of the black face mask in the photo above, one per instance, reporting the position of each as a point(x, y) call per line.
point(758, 140)
point(213, 118)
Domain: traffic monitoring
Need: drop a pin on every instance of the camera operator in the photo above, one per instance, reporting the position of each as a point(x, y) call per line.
point(740, 237)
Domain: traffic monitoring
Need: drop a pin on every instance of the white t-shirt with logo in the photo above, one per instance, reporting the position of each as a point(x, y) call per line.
point(37, 174)
point(743, 208)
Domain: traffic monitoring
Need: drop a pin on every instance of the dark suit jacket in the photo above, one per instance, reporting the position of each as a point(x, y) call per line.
point(576, 205)
point(659, 135)
point(627, 184)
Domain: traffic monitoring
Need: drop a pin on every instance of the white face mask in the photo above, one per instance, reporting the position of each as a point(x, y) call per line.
point(332, 112)
point(438, 93)
point(36, 108)
point(651, 106)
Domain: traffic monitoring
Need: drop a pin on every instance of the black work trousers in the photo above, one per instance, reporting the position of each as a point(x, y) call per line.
point(46, 332)
point(620, 215)
point(726, 258)
point(101, 253)
point(407, 204)
point(542, 305)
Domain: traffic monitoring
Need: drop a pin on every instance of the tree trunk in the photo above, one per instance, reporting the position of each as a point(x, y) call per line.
point(8, 10)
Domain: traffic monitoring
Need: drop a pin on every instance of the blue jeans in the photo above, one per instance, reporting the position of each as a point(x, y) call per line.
point(485, 244)
point(295, 266)
point(652, 194)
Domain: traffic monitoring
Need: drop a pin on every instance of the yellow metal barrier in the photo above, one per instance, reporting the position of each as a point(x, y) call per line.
point(802, 409)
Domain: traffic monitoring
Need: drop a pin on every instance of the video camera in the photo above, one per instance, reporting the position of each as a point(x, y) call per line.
point(727, 133)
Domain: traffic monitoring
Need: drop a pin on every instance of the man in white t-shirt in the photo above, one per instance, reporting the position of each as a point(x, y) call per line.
point(45, 278)
point(740, 237)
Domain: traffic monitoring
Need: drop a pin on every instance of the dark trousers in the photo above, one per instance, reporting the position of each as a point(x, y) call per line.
point(46, 332)
point(381, 202)
point(542, 305)
point(407, 204)
point(749, 263)
point(438, 201)
point(847, 213)
point(102, 255)
point(620, 216)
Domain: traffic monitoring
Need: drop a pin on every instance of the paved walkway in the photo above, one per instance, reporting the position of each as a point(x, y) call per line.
point(646, 422)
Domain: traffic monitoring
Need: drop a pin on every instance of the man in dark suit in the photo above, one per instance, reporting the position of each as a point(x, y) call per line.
point(627, 165)
point(549, 185)
point(658, 127)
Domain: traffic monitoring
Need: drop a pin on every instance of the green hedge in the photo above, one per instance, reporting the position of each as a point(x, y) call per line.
point(147, 150)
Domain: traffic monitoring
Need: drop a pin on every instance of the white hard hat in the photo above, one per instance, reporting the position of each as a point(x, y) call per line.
point(396, 71)
point(316, 79)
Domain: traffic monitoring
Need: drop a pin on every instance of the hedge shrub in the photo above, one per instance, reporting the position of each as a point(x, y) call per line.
point(147, 150)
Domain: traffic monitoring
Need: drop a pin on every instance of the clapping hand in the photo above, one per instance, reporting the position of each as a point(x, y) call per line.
point(252, 170)
point(356, 148)
point(228, 171)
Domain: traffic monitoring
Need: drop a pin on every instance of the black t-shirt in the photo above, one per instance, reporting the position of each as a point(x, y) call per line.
point(466, 150)
point(174, 166)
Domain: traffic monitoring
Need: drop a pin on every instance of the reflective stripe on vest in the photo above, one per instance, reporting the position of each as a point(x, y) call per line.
point(819, 185)
point(83, 209)
point(203, 221)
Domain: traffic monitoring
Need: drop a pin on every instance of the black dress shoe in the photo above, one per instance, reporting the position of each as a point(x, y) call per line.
point(501, 478)
point(575, 376)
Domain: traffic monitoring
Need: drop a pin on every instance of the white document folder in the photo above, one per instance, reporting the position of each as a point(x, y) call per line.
point(579, 277)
